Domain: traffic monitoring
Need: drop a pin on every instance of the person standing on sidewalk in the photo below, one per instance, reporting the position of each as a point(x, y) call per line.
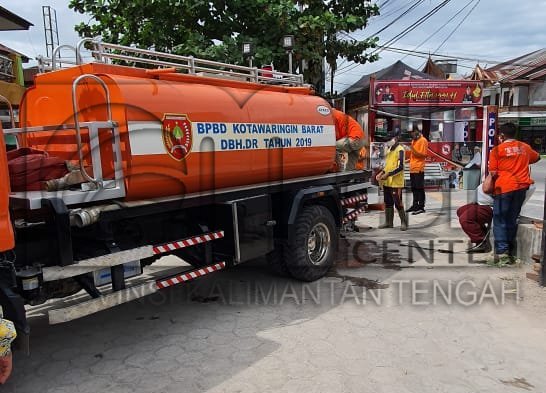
point(392, 177)
point(418, 154)
point(349, 138)
point(509, 164)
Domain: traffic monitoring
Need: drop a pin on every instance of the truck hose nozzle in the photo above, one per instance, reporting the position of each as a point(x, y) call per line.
point(87, 216)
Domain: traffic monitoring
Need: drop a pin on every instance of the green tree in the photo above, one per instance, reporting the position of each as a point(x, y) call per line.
point(216, 29)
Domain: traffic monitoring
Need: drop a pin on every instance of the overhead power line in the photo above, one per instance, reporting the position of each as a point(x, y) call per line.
point(457, 27)
point(411, 8)
point(412, 27)
point(426, 55)
point(402, 34)
point(390, 13)
point(456, 57)
point(441, 27)
point(354, 37)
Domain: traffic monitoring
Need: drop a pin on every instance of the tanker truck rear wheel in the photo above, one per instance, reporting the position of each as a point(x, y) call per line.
point(310, 253)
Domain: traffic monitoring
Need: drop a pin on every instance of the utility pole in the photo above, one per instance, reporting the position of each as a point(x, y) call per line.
point(332, 72)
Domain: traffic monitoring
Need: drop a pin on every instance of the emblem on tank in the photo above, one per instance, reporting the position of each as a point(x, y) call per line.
point(177, 135)
point(323, 110)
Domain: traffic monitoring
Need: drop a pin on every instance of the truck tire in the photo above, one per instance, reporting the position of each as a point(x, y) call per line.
point(276, 259)
point(310, 253)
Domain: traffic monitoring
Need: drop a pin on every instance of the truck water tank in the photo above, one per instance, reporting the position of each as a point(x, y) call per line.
point(185, 134)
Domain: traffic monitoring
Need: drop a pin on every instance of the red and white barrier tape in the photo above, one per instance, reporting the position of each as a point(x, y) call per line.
point(191, 241)
point(185, 277)
point(354, 214)
point(351, 200)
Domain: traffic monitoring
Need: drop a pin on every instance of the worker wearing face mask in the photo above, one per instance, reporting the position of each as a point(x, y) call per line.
point(392, 178)
point(418, 155)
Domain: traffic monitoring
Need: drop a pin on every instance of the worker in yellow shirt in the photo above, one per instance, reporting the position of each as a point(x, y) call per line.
point(392, 179)
point(418, 154)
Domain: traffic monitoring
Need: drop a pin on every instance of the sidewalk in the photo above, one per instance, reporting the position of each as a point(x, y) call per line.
point(441, 226)
point(377, 257)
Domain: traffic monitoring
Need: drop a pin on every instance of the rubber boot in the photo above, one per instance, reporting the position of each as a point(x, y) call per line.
point(389, 218)
point(403, 219)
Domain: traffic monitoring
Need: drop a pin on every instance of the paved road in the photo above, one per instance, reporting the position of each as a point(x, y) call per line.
point(535, 206)
point(386, 319)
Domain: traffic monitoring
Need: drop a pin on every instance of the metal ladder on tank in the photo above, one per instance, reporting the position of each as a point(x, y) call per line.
point(96, 188)
point(104, 52)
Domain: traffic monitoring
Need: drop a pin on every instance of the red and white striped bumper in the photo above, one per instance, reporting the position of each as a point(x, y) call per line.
point(191, 275)
point(191, 241)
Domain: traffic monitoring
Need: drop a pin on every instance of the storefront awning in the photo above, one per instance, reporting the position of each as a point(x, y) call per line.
point(515, 115)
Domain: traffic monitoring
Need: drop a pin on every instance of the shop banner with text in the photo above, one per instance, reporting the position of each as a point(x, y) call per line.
point(427, 93)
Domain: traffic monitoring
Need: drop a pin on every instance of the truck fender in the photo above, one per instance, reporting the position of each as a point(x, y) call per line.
point(322, 195)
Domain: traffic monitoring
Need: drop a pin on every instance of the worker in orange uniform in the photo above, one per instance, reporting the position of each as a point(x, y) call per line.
point(349, 138)
point(418, 154)
point(509, 164)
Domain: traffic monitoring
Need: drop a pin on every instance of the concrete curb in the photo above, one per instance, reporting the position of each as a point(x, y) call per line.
point(529, 240)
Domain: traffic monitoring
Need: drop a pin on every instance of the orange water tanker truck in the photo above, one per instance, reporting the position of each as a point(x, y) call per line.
point(118, 166)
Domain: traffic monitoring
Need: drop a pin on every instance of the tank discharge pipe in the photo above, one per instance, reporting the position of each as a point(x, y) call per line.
point(87, 216)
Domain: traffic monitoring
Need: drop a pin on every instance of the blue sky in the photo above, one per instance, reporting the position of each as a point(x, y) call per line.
point(496, 30)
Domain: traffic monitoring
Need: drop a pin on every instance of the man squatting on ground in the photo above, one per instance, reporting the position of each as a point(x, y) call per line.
point(392, 177)
point(418, 154)
point(475, 219)
point(509, 164)
point(349, 138)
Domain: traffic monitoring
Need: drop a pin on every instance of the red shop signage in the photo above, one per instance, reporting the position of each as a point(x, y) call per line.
point(427, 93)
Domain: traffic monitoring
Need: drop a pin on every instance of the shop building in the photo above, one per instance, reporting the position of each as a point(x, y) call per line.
point(518, 87)
point(357, 97)
point(12, 82)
